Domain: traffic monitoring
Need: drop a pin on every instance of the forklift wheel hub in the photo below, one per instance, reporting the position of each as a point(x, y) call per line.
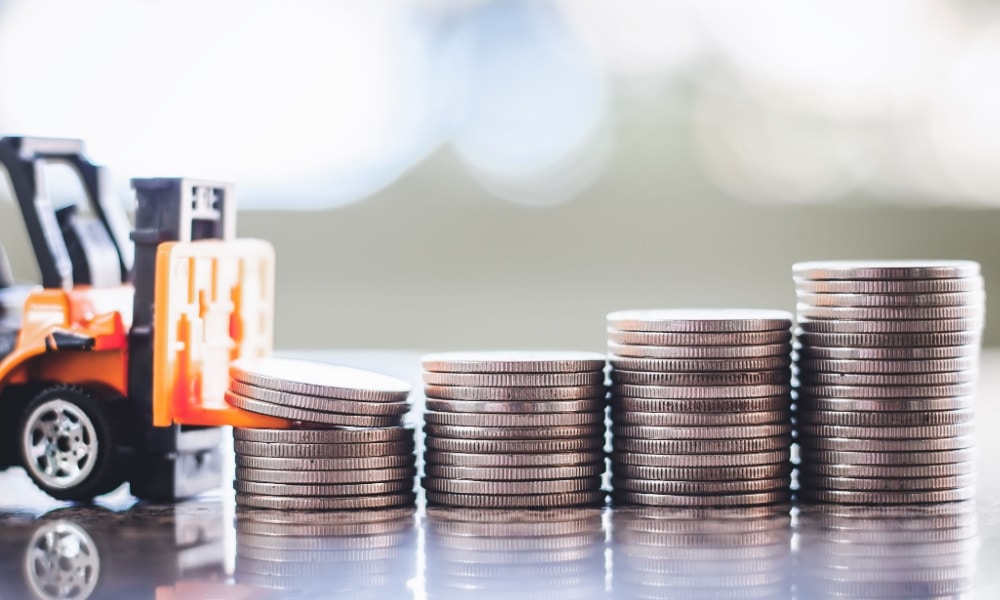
point(60, 444)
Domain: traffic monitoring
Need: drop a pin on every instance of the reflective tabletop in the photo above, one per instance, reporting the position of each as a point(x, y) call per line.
point(206, 548)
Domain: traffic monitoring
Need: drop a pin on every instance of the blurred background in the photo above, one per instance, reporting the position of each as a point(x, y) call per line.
point(451, 174)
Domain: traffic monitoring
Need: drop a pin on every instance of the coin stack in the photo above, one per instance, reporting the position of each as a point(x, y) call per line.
point(887, 551)
point(887, 359)
point(702, 553)
point(498, 554)
point(356, 554)
point(514, 429)
point(700, 407)
point(347, 449)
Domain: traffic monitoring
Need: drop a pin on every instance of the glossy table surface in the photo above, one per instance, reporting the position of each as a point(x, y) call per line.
point(121, 549)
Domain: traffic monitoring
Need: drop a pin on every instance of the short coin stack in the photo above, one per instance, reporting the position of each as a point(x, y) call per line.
point(887, 359)
point(348, 450)
point(700, 407)
point(514, 429)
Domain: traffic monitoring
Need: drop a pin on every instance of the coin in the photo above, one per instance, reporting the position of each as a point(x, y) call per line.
point(906, 353)
point(892, 300)
point(474, 446)
point(712, 446)
point(916, 313)
point(886, 458)
point(882, 379)
point(515, 433)
point(732, 432)
point(695, 461)
point(550, 459)
point(401, 515)
point(883, 419)
point(710, 352)
point(863, 497)
point(516, 406)
point(700, 320)
point(322, 436)
point(515, 473)
point(326, 477)
point(347, 489)
point(886, 269)
point(699, 365)
point(350, 407)
point(891, 471)
point(506, 517)
point(267, 450)
point(744, 486)
point(700, 379)
point(513, 420)
point(744, 338)
point(519, 394)
point(511, 488)
point(515, 531)
point(729, 500)
point(513, 362)
point(589, 498)
point(889, 340)
point(934, 365)
point(891, 326)
point(874, 286)
point(810, 481)
point(515, 379)
point(699, 392)
point(326, 464)
point(319, 379)
point(767, 471)
point(883, 445)
point(918, 391)
point(310, 416)
point(330, 503)
point(885, 404)
point(622, 404)
point(671, 419)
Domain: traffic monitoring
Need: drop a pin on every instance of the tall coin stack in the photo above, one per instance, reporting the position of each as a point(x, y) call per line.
point(887, 361)
point(514, 429)
point(700, 407)
point(348, 450)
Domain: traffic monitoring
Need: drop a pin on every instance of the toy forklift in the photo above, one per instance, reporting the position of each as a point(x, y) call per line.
point(114, 370)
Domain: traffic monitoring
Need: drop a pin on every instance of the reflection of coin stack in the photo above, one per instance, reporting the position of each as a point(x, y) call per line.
point(517, 554)
point(700, 406)
point(356, 554)
point(887, 362)
point(886, 552)
point(349, 451)
point(514, 430)
point(689, 553)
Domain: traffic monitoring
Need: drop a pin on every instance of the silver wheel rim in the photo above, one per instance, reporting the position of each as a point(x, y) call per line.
point(62, 562)
point(60, 444)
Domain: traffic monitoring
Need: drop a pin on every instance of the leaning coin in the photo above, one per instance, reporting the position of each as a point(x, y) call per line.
point(724, 446)
point(700, 320)
point(893, 326)
point(891, 471)
point(319, 379)
point(474, 446)
point(904, 353)
point(886, 269)
point(889, 340)
point(768, 471)
point(698, 488)
point(699, 365)
point(887, 459)
point(514, 379)
point(699, 392)
point(619, 376)
point(515, 473)
point(513, 362)
point(709, 462)
point(874, 286)
point(880, 379)
point(733, 432)
point(550, 459)
point(310, 416)
point(671, 419)
point(322, 436)
point(743, 338)
point(891, 300)
point(862, 497)
point(326, 477)
point(512, 420)
point(710, 352)
point(517, 406)
point(621, 404)
point(887, 366)
point(515, 433)
point(351, 407)
point(881, 445)
point(332, 503)
point(298, 489)
point(326, 464)
point(263, 449)
point(812, 403)
point(883, 419)
point(824, 482)
point(728, 500)
point(862, 392)
point(806, 311)
point(517, 394)
point(590, 498)
point(511, 488)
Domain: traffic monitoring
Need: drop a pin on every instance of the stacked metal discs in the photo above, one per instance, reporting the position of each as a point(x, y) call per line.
point(356, 554)
point(348, 450)
point(887, 359)
point(691, 553)
point(514, 429)
point(700, 407)
point(498, 554)
point(887, 552)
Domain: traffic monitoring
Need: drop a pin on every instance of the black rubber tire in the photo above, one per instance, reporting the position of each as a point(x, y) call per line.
point(111, 463)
